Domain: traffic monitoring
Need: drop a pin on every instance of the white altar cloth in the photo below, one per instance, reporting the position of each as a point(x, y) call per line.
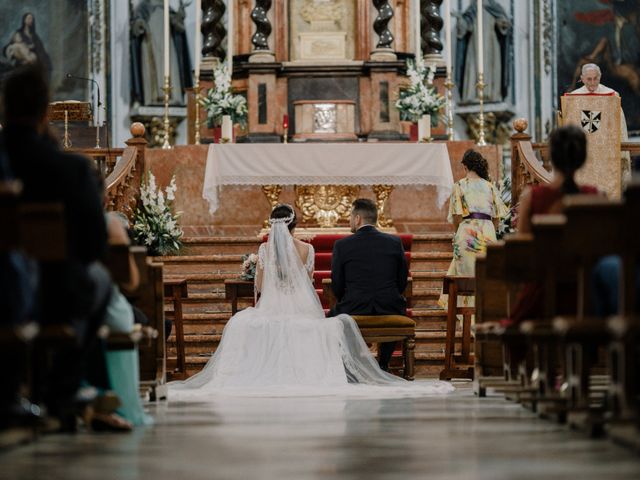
point(418, 164)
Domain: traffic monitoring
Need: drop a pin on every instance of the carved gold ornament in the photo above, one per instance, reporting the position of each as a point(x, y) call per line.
point(326, 204)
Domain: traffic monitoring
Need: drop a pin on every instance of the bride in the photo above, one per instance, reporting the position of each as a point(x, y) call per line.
point(285, 345)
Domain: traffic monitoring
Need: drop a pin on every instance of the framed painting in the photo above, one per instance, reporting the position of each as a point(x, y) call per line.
point(68, 37)
point(606, 33)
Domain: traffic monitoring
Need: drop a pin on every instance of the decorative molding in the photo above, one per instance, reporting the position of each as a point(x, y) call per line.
point(213, 29)
point(430, 26)
point(96, 35)
point(381, 23)
point(547, 35)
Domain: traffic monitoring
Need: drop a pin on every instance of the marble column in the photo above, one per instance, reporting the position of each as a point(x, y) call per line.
point(383, 50)
point(430, 25)
point(260, 40)
point(213, 31)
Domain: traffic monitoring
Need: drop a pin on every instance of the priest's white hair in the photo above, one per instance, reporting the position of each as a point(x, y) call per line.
point(591, 66)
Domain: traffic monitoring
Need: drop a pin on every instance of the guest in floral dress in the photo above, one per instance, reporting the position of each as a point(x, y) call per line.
point(475, 209)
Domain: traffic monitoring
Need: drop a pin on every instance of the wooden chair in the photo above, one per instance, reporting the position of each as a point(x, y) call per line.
point(454, 287)
point(176, 290)
point(385, 328)
point(236, 289)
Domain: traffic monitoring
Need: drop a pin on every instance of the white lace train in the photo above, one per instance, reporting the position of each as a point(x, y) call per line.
point(286, 347)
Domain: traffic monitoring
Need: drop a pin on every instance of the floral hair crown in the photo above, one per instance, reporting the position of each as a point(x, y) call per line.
point(286, 220)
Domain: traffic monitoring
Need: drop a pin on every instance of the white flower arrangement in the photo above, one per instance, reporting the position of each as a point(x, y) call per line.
point(421, 97)
point(154, 225)
point(220, 100)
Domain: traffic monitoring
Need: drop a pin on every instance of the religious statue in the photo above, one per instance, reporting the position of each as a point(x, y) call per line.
point(25, 46)
point(147, 46)
point(497, 43)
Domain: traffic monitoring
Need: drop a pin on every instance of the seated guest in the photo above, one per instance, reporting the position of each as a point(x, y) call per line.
point(74, 291)
point(369, 271)
point(475, 208)
point(123, 365)
point(18, 282)
point(568, 149)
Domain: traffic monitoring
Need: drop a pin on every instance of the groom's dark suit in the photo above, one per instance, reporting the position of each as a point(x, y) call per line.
point(368, 276)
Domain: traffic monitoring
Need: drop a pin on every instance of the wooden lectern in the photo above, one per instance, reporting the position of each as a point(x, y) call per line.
point(600, 118)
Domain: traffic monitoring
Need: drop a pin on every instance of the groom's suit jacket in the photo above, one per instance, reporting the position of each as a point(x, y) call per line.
point(369, 274)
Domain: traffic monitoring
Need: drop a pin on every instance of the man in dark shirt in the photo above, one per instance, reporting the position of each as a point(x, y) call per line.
point(369, 271)
point(74, 291)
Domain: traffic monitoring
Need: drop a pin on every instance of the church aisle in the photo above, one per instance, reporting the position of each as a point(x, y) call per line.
point(455, 437)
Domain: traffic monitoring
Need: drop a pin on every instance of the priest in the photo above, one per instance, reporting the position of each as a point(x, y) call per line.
point(590, 77)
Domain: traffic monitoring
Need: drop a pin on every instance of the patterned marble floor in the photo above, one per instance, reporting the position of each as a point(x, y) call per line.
point(455, 437)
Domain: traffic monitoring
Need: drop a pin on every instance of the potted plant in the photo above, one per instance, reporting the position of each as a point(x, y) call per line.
point(220, 101)
point(420, 97)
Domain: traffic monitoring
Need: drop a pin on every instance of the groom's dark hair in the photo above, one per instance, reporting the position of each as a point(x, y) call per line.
point(366, 209)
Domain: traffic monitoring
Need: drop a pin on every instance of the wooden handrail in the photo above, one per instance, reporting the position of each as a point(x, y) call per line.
point(532, 164)
point(123, 183)
point(526, 169)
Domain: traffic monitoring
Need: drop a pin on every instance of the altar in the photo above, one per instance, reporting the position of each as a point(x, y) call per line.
point(327, 177)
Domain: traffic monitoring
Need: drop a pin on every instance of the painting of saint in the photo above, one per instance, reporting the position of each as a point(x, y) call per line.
point(25, 46)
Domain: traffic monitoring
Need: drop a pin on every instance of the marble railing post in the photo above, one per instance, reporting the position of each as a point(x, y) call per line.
point(260, 39)
point(383, 50)
point(213, 31)
point(430, 26)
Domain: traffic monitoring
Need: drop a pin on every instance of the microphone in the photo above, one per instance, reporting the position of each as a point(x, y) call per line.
point(87, 79)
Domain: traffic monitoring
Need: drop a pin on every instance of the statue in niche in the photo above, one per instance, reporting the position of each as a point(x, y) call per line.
point(323, 14)
point(147, 54)
point(497, 43)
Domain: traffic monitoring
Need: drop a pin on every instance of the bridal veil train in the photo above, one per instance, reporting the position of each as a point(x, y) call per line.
point(286, 347)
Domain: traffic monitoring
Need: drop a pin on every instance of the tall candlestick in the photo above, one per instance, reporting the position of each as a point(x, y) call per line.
point(230, 36)
point(418, 35)
point(198, 40)
point(166, 38)
point(447, 33)
point(480, 32)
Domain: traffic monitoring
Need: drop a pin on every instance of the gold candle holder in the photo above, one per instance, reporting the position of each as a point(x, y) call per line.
point(480, 86)
point(449, 85)
point(167, 92)
point(196, 125)
point(66, 139)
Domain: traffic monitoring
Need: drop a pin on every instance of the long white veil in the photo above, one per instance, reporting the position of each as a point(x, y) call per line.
point(289, 314)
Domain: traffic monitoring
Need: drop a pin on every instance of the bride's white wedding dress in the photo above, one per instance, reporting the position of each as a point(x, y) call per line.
point(285, 345)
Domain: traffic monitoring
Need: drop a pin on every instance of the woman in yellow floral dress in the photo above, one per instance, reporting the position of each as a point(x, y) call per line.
point(475, 209)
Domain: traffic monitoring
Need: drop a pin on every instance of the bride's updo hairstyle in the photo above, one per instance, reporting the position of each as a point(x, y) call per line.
point(475, 162)
point(283, 212)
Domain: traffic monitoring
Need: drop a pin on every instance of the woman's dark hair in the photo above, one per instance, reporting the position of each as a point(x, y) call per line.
point(24, 22)
point(568, 148)
point(283, 211)
point(475, 162)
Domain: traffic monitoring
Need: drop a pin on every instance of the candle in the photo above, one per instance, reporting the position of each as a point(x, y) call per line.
point(166, 38)
point(447, 33)
point(230, 36)
point(198, 41)
point(227, 128)
point(418, 17)
point(285, 121)
point(480, 35)
point(424, 127)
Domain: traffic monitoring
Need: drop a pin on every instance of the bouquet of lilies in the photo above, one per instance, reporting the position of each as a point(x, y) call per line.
point(220, 100)
point(154, 224)
point(421, 97)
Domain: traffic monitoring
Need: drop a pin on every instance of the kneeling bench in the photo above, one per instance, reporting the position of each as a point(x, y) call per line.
point(391, 328)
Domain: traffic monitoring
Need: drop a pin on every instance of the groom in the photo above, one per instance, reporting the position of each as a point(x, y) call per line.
point(369, 271)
